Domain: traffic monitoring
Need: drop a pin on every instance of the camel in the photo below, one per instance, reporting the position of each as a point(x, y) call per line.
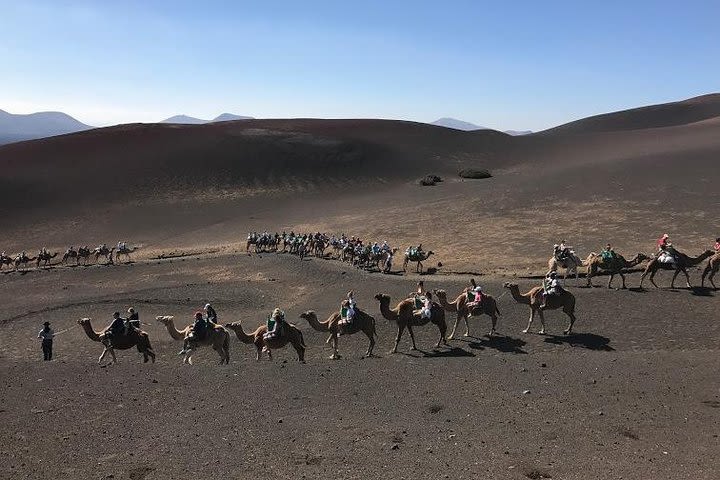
point(712, 268)
point(680, 265)
point(104, 251)
point(405, 316)
point(615, 266)
point(80, 253)
point(569, 263)
point(418, 257)
point(23, 260)
point(289, 334)
point(135, 338)
point(362, 322)
point(5, 260)
point(217, 336)
point(45, 257)
point(460, 306)
point(124, 252)
point(533, 298)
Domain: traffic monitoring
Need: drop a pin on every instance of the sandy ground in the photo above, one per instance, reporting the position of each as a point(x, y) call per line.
point(632, 394)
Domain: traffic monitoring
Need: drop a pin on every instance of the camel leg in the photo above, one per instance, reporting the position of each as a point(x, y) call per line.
point(334, 355)
point(412, 337)
point(542, 322)
point(397, 338)
point(532, 317)
point(652, 279)
point(300, 351)
point(102, 356)
point(371, 337)
point(687, 278)
point(572, 322)
point(258, 352)
point(457, 320)
point(112, 354)
point(493, 317)
point(467, 325)
point(704, 274)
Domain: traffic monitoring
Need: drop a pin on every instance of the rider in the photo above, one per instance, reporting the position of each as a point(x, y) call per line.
point(551, 286)
point(350, 305)
point(478, 297)
point(198, 331)
point(717, 245)
point(375, 248)
point(117, 326)
point(210, 314)
point(561, 251)
point(133, 320)
point(274, 323)
point(663, 242)
point(608, 253)
point(385, 247)
point(426, 310)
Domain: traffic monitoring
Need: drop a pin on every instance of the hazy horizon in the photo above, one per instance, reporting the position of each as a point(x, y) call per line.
point(519, 66)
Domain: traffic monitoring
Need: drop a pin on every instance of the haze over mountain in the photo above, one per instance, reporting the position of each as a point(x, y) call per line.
point(456, 124)
point(18, 127)
point(187, 120)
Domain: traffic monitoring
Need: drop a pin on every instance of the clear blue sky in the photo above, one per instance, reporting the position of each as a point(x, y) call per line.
point(506, 65)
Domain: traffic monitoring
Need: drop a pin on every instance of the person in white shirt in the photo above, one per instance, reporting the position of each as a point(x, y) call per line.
point(46, 335)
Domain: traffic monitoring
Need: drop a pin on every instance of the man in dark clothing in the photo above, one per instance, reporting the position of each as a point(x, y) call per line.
point(46, 334)
point(133, 320)
point(117, 327)
point(210, 314)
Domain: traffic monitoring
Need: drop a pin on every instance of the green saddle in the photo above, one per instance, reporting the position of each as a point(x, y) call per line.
point(419, 301)
point(470, 297)
point(343, 312)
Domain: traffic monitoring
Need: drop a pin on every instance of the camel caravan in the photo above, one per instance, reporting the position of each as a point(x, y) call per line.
point(377, 256)
point(72, 257)
point(417, 310)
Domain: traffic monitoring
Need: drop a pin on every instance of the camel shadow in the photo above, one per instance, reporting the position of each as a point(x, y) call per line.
point(500, 343)
point(702, 291)
point(452, 352)
point(582, 340)
point(637, 290)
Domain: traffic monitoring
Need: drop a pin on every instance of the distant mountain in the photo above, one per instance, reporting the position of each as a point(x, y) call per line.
point(448, 122)
point(227, 117)
point(18, 127)
point(223, 117)
point(185, 119)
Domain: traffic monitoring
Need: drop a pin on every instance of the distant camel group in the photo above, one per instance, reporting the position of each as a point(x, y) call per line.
point(80, 256)
point(352, 250)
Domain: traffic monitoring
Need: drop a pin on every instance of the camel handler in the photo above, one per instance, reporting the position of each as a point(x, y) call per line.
point(274, 324)
point(46, 335)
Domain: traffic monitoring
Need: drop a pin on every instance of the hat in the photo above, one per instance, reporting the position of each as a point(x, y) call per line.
point(207, 305)
point(131, 310)
point(47, 324)
point(552, 274)
point(477, 289)
point(277, 312)
point(665, 235)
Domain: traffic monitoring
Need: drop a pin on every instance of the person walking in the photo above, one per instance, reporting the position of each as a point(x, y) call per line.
point(46, 335)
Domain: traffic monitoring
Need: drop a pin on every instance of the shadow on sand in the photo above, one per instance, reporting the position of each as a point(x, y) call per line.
point(501, 344)
point(582, 340)
point(703, 291)
point(437, 353)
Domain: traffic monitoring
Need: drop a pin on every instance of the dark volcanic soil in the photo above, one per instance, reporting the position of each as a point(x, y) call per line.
point(633, 393)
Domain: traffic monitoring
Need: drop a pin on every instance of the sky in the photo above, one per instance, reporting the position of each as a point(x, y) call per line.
point(504, 65)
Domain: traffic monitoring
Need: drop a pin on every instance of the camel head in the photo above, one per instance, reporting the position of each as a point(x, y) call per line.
point(308, 315)
point(642, 257)
point(83, 321)
point(164, 319)
point(440, 293)
point(510, 285)
point(381, 297)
